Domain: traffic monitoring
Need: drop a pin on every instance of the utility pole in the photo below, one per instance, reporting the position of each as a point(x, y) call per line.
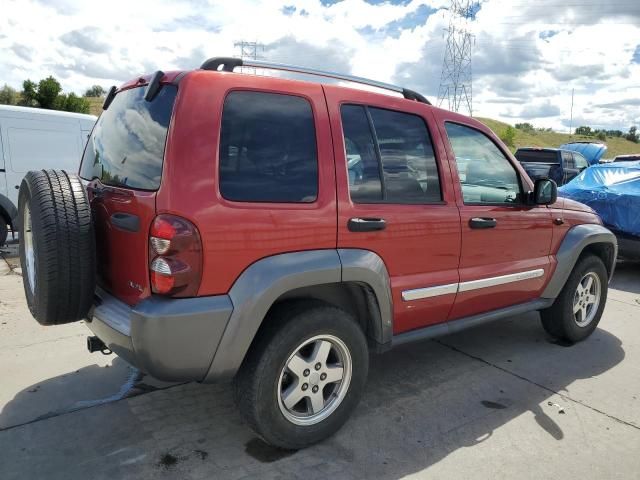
point(251, 51)
point(456, 89)
point(571, 118)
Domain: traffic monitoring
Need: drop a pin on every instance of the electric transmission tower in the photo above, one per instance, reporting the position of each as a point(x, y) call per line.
point(455, 80)
point(251, 51)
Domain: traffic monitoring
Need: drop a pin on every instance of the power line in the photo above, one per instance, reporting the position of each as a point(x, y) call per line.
point(456, 80)
point(251, 51)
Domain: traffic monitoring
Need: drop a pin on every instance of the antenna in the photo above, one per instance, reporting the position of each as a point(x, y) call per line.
point(249, 51)
point(571, 120)
point(455, 79)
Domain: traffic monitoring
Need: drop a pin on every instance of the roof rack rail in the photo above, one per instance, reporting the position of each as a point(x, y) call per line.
point(228, 64)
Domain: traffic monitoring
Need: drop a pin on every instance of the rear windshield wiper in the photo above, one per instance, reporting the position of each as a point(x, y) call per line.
point(154, 86)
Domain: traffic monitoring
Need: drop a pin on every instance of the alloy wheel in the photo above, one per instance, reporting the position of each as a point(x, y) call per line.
point(586, 299)
point(314, 380)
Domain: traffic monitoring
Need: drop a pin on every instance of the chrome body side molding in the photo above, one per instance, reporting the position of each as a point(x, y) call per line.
point(419, 293)
point(501, 280)
point(427, 292)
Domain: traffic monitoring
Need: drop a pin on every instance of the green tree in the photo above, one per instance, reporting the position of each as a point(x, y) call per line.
point(95, 91)
point(48, 91)
point(29, 93)
point(8, 95)
point(508, 136)
point(525, 127)
point(632, 136)
point(601, 135)
point(48, 94)
point(583, 130)
point(72, 103)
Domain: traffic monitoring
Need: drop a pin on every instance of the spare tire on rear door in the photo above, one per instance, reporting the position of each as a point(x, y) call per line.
point(57, 246)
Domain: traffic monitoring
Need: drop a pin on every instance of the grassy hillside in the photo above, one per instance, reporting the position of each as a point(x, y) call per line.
point(96, 105)
point(616, 146)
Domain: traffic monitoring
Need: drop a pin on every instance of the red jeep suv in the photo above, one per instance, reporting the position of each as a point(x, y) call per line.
point(275, 232)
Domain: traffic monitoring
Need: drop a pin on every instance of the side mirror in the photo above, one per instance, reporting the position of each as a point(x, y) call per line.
point(545, 191)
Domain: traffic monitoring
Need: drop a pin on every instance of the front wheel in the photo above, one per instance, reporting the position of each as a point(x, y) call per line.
point(576, 312)
point(304, 374)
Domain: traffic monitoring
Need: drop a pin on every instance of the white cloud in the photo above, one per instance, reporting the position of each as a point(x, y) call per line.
point(528, 56)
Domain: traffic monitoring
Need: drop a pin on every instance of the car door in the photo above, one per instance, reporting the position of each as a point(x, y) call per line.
point(33, 144)
point(505, 241)
point(393, 179)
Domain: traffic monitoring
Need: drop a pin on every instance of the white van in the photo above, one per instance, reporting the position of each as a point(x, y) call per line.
point(34, 139)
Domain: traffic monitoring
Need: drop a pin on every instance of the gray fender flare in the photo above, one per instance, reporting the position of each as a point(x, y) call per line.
point(263, 282)
point(367, 267)
point(8, 206)
point(574, 242)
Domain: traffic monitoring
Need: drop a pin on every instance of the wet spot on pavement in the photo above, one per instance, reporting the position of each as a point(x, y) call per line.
point(167, 460)
point(493, 405)
point(201, 454)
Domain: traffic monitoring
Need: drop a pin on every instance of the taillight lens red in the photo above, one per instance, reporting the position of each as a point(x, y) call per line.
point(175, 256)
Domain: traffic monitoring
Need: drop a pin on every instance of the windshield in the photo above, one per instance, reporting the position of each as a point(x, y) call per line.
point(538, 156)
point(126, 148)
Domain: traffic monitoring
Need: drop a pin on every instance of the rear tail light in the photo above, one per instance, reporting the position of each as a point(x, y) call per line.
point(175, 257)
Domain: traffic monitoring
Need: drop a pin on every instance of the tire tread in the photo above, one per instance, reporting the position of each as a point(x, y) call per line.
point(65, 246)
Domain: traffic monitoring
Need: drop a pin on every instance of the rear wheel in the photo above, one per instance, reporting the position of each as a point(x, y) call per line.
point(304, 374)
point(576, 312)
point(57, 246)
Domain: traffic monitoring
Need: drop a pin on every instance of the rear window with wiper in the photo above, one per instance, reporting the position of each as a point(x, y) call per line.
point(126, 148)
point(539, 156)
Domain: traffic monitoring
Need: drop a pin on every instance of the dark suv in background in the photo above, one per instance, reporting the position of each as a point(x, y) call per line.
point(561, 166)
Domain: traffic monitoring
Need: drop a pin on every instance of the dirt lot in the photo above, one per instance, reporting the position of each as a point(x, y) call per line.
point(498, 401)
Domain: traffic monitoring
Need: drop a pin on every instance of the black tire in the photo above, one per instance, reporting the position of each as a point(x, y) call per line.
point(63, 246)
point(257, 383)
point(4, 231)
point(559, 320)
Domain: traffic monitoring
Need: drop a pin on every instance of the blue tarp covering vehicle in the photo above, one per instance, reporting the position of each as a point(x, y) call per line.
point(613, 191)
point(592, 151)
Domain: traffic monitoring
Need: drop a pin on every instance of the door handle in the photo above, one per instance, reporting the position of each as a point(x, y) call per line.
point(478, 222)
point(366, 224)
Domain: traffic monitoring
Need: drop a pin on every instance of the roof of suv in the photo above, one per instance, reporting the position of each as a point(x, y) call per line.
point(228, 65)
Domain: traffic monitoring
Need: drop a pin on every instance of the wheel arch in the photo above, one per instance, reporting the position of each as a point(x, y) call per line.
point(605, 251)
point(8, 212)
point(581, 240)
point(354, 280)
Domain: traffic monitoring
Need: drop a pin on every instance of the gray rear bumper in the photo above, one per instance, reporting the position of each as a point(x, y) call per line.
point(170, 339)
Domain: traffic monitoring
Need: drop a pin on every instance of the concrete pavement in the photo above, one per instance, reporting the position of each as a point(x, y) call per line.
point(498, 401)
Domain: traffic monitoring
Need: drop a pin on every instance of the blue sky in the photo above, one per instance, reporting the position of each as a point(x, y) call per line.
point(527, 56)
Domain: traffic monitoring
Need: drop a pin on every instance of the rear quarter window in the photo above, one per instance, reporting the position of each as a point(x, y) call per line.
point(268, 149)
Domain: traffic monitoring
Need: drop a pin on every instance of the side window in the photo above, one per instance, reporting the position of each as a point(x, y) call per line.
point(580, 161)
point(362, 162)
point(567, 159)
point(486, 175)
point(390, 157)
point(268, 149)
